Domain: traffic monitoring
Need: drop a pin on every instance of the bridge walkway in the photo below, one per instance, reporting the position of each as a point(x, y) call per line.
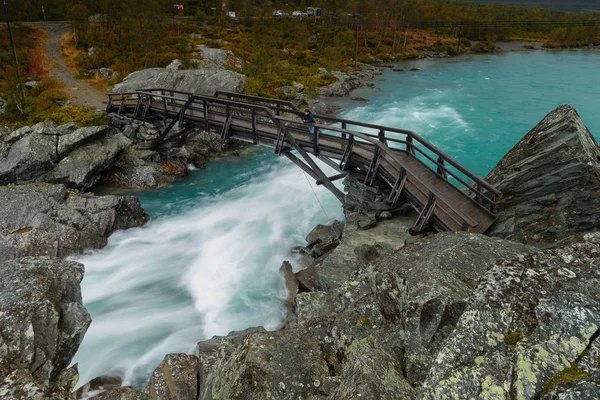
point(447, 196)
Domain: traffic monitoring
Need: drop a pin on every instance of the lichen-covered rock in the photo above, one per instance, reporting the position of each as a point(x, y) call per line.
point(43, 219)
point(42, 323)
point(28, 158)
point(281, 365)
point(550, 182)
point(355, 251)
point(424, 287)
point(123, 393)
point(175, 378)
point(201, 81)
point(529, 319)
point(84, 166)
point(76, 157)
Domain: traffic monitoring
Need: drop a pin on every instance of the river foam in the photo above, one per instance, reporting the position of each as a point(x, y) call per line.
point(203, 269)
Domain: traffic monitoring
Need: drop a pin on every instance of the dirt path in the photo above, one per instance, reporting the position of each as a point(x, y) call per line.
point(81, 93)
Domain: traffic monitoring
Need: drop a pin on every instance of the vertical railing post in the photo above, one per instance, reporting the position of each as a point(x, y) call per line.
point(382, 136)
point(205, 107)
point(409, 145)
point(254, 135)
point(343, 127)
point(440, 168)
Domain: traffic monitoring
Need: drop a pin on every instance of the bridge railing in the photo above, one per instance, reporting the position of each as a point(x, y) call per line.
point(393, 138)
point(404, 140)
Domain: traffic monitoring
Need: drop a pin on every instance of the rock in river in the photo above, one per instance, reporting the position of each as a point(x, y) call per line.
point(42, 219)
point(42, 321)
point(550, 182)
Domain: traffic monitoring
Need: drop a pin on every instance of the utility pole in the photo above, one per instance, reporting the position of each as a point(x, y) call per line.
point(44, 13)
point(14, 51)
point(356, 51)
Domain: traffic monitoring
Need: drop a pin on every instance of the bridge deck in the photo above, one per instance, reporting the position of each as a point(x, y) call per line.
point(415, 170)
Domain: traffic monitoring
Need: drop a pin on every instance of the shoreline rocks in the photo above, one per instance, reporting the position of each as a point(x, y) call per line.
point(50, 220)
point(202, 81)
point(42, 321)
point(550, 183)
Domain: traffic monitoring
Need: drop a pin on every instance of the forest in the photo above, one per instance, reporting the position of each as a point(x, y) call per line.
point(129, 35)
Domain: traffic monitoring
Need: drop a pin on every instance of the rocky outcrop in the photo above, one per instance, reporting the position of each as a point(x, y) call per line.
point(527, 327)
point(201, 81)
point(373, 337)
point(175, 378)
point(66, 154)
point(42, 219)
point(216, 58)
point(357, 248)
point(550, 182)
point(42, 323)
point(152, 162)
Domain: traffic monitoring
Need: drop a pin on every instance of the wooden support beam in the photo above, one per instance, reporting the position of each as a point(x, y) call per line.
point(398, 187)
point(347, 154)
point(329, 162)
point(225, 130)
point(333, 178)
point(372, 171)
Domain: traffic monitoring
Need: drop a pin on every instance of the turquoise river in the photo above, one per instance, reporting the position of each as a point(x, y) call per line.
point(208, 261)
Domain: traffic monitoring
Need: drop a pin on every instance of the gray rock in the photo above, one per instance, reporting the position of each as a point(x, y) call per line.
point(174, 65)
point(68, 142)
point(585, 388)
point(529, 319)
point(107, 73)
point(175, 378)
point(42, 321)
point(216, 58)
point(123, 393)
point(325, 233)
point(550, 182)
point(28, 158)
point(284, 365)
point(83, 167)
point(31, 84)
point(201, 81)
point(2, 105)
point(46, 219)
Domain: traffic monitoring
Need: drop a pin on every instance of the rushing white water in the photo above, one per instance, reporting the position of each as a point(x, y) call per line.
point(207, 269)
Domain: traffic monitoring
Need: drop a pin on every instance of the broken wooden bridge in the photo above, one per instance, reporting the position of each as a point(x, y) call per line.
point(447, 196)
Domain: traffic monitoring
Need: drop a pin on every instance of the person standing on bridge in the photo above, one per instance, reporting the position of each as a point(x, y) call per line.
point(308, 118)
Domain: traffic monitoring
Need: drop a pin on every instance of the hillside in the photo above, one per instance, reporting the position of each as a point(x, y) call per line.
point(576, 6)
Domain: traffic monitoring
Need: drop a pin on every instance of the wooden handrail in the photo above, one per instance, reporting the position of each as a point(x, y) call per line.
point(413, 142)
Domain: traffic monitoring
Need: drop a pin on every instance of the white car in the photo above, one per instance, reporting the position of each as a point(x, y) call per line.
point(280, 13)
point(299, 14)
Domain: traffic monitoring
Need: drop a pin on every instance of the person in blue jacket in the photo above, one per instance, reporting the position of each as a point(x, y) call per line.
point(308, 118)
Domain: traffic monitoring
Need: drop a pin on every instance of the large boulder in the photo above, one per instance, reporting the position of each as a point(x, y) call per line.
point(528, 326)
point(47, 219)
point(372, 337)
point(76, 157)
point(83, 167)
point(550, 182)
point(42, 321)
point(175, 378)
point(201, 81)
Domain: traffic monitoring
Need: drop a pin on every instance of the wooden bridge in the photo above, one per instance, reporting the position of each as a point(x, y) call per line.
point(447, 196)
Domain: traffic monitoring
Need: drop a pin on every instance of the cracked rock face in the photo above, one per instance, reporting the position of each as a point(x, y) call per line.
point(530, 321)
point(201, 81)
point(42, 323)
point(75, 157)
point(44, 219)
point(550, 182)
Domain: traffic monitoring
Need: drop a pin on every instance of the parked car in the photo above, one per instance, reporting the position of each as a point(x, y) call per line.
point(299, 14)
point(280, 13)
